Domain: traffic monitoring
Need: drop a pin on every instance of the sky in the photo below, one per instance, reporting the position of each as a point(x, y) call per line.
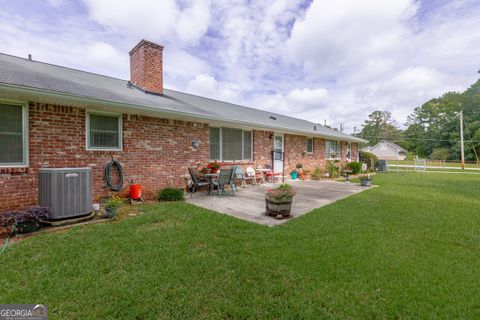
point(323, 61)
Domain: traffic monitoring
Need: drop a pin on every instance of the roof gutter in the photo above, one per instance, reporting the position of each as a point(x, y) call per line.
point(84, 99)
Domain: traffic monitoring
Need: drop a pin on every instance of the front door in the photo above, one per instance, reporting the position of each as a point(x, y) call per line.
point(278, 152)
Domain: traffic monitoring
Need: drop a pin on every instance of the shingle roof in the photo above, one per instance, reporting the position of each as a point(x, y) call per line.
point(394, 145)
point(391, 144)
point(38, 75)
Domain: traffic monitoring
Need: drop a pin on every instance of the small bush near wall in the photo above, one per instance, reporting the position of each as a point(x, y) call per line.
point(170, 194)
point(316, 173)
point(356, 167)
point(333, 168)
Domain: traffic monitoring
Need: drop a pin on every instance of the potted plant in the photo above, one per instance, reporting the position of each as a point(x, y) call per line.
point(213, 166)
point(304, 174)
point(29, 220)
point(294, 174)
point(111, 206)
point(278, 202)
point(366, 181)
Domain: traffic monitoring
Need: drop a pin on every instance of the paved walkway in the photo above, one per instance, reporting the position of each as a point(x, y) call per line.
point(249, 203)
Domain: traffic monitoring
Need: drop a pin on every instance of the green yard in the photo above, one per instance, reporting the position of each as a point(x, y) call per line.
point(409, 249)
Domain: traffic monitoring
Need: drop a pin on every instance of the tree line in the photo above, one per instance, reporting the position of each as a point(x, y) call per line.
point(433, 129)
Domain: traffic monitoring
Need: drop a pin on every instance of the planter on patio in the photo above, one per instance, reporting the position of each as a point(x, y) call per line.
point(366, 181)
point(278, 210)
point(294, 174)
point(278, 202)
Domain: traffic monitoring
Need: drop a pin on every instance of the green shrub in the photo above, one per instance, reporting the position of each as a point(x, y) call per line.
point(370, 159)
point(356, 167)
point(333, 169)
point(170, 194)
point(285, 186)
point(316, 173)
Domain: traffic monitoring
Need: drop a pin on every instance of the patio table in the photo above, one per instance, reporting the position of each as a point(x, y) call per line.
point(264, 173)
point(210, 177)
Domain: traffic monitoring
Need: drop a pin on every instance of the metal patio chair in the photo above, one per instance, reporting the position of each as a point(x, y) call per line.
point(250, 174)
point(225, 178)
point(239, 176)
point(197, 183)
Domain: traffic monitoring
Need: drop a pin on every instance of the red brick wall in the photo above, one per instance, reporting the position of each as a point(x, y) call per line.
point(295, 152)
point(262, 147)
point(146, 66)
point(156, 152)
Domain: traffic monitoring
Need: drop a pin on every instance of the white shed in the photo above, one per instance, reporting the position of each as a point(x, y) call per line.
point(386, 150)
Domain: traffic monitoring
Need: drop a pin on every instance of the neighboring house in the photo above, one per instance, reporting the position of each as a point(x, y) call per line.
point(52, 116)
point(386, 150)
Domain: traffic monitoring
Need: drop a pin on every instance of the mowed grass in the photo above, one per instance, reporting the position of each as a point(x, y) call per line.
point(409, 249)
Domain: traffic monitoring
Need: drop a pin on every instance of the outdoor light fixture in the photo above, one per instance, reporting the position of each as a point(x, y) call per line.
point(195, 144)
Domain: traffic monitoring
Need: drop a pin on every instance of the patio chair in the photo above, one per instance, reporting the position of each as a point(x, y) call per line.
point(239, 176)
point(250, 174)
point(225, 178)
point(197, 183)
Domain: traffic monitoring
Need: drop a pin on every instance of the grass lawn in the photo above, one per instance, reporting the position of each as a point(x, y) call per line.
point(409, 249)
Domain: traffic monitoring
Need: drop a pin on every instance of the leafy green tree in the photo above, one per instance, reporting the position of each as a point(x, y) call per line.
point(434, 127)
point(381, 126)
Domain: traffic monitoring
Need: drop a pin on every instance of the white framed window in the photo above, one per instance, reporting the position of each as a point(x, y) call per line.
point(332, 149)
point(13, 134)
point(104, 131)
point(383, 146)
point(228, 144)
point(309, 145)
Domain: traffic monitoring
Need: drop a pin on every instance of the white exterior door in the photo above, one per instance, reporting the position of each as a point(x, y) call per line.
point(278, 145)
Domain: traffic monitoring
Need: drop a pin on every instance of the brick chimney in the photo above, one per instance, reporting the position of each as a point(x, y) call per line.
point(146, 67)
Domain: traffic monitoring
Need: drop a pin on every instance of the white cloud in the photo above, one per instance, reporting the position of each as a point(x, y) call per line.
point(385, 55)
point(163, 21)
point(338, 35)
point(207, 86)
point(106, 57)
point(331, 60)
point(294, 102)
point(55, 3)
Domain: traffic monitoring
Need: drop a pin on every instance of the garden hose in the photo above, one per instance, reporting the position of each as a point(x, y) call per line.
point(114, 165)
point(6, 240)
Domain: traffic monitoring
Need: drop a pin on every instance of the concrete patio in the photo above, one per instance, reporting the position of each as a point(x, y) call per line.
point(249, 202)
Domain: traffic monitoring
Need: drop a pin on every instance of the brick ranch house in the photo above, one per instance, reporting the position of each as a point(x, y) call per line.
point(52, 116)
